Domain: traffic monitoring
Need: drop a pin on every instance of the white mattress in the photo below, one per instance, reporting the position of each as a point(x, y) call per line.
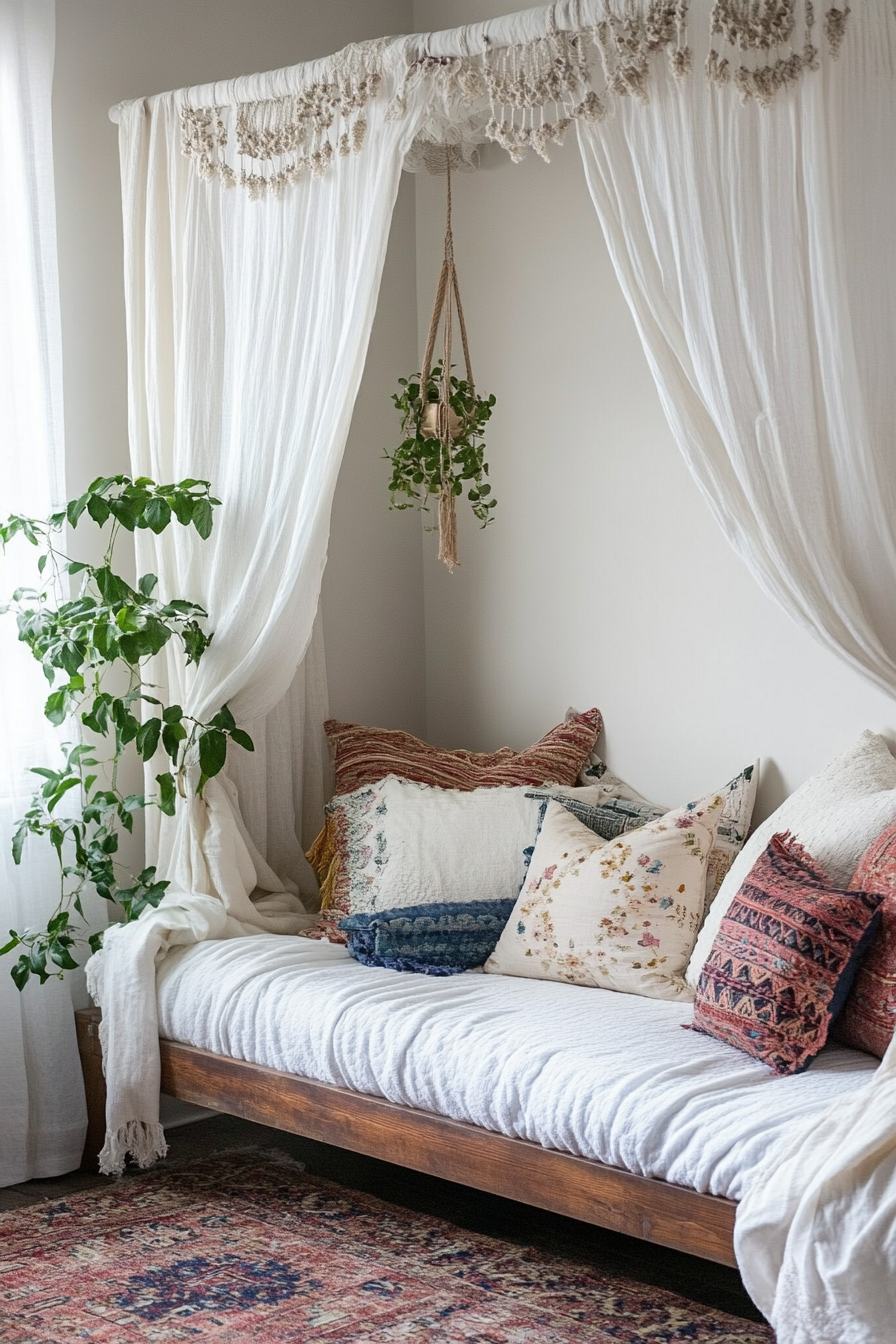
point(588, 1071)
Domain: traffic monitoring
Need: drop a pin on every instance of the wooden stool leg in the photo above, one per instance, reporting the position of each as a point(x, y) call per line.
point(87, 1022)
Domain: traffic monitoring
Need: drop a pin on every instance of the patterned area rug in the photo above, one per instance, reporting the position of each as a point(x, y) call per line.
point(245, 1246)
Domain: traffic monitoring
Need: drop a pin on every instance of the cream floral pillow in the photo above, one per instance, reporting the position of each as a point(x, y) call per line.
point(622, 914)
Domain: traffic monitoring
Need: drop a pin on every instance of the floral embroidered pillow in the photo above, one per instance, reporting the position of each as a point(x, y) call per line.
point(621, 914)
point(869, 1017)
point(784, 958)
point(610, 814)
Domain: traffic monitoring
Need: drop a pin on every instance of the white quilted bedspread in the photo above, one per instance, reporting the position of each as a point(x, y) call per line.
point(588, 1071)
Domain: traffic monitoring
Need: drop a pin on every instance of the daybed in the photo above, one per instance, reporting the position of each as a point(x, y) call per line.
point(592, 1104)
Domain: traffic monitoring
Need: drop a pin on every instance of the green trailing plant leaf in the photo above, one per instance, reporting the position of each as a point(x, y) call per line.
point(421, 463)
point(77, 639)
point(167, 793)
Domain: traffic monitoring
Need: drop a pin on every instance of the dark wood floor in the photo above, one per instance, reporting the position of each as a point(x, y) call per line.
point(713, 1285)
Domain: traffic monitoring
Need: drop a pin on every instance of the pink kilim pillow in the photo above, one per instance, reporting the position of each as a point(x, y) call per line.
point(784, 959)
point(868, 1019)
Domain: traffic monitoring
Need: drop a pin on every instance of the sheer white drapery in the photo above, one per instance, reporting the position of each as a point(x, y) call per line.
point(752, 246)
point(42, 1110)
point(248, 324)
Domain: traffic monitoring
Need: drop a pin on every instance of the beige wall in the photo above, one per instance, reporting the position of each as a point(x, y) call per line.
point(604, 579)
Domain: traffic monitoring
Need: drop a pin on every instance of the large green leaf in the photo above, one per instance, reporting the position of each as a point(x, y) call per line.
point(212, 752)
point(148, 738)
point(202, 518)
point(167, 793)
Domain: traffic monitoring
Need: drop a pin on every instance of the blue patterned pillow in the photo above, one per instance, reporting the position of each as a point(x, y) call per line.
point(609, 819)
point(441, 939)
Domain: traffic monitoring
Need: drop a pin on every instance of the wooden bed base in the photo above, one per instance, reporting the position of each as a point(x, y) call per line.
point(610, 1197)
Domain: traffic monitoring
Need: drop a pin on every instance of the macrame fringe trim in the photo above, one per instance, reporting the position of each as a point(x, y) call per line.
point(533, 92)
point(138, 1139)
point(447, 528)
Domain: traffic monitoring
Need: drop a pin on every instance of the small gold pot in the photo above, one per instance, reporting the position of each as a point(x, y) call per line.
point(430, 424)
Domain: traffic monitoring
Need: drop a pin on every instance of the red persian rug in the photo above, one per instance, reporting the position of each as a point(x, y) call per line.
point(245, 1246)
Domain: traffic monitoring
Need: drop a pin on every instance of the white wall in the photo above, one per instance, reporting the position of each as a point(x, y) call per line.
point(604, 579)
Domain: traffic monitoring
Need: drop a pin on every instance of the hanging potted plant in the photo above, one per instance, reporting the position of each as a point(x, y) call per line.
point(442, 453)
point(442, 418)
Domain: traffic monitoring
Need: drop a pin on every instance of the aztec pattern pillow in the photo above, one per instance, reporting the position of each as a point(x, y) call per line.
point(440, 939)
point(399, 844)
point(869, 1017)
point(610, 815)
point(365, 755)
point(784, 959)
point(835, 814)
point(619, 914)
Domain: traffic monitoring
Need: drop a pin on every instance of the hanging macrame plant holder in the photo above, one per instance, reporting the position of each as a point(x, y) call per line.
point(440, 420)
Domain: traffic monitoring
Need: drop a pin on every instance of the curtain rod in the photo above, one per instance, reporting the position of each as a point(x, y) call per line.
point(509, 30)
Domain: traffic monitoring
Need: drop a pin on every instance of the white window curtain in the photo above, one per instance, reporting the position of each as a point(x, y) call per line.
point(42, 1109)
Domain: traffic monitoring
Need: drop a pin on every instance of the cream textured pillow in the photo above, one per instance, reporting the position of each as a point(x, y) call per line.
point(400, 843)
point(621, 914)
point(835, 815)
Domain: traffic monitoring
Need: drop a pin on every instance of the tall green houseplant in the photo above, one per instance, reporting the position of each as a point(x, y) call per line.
point(93, 645)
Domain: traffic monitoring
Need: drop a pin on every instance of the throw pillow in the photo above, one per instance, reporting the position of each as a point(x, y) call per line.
point(613, 815)
point(620, 914)
point(441, 939)
point(365, 755)
point(835, 814)
point(784, 959)
point(398, 844)
point(869, 1017)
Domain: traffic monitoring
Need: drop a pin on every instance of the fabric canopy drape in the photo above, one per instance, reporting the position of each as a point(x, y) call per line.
point(752, 246)
point(248, 326)
point(43, 1117)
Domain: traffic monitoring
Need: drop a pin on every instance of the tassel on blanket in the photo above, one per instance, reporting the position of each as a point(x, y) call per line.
point(143, 1141)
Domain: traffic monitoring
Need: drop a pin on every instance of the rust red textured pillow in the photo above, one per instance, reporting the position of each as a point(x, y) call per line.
point(868, 1019)
point(784, 959)
point(365, 755)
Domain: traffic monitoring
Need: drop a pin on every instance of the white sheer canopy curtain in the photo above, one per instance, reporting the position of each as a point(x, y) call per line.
point(249, 316)
point(755, 248)
point(42, 1111)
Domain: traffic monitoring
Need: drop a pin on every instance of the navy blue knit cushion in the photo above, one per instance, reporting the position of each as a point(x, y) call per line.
point(433, 939)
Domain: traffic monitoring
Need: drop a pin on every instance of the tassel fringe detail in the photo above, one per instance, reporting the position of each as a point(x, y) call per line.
point(447, 528)
point(139, 1139)
point(524, 98)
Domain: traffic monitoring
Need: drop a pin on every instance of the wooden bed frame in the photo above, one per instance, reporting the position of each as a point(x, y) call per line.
point(610, 1197)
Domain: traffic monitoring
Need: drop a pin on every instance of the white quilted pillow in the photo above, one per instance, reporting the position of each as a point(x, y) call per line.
point(835, 814)
point(405, 844)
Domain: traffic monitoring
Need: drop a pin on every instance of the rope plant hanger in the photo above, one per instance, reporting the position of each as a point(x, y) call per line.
point(443, 419)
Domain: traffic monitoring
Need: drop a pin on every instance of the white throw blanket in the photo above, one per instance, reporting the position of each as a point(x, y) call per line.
point(209, 898)
point(816, 1240)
